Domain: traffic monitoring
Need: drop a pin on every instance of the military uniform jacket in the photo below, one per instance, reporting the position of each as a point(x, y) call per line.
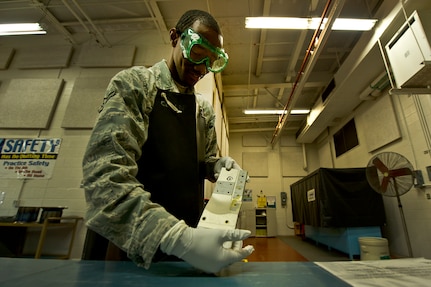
point(118, 206)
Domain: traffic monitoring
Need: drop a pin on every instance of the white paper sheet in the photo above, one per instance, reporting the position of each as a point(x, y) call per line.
point(411, 272)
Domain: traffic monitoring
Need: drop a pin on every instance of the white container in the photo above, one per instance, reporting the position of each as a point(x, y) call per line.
point(374, 248)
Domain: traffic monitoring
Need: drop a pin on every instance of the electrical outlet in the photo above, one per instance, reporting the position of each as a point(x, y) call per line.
point(428, 195)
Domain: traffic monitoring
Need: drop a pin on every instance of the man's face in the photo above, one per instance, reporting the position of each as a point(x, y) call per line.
point(184, 71)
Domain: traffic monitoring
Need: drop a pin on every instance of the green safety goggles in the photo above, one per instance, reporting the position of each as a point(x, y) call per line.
point(198, 50)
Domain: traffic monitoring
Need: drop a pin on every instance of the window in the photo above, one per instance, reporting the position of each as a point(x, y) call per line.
point(346, 138)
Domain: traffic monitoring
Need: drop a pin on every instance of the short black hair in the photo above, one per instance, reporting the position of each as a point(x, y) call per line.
point(189, 17)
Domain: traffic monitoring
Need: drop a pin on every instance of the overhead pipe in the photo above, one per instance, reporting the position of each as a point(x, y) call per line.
point(262, 40)
point(51, 18)
point(157, 18)
point(100, 39)
point(304, 157)
point(308, 64)
point(309, 52)
point(76, 16)
point(295, 55)
point(96, 29)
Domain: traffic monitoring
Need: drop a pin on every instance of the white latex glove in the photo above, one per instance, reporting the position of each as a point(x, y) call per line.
point(226, 162)
point(203, 247)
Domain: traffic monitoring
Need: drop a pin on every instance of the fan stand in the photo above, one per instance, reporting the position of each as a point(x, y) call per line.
point(409, 246)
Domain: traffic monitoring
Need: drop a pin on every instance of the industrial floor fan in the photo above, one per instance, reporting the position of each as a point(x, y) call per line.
point(391, 174)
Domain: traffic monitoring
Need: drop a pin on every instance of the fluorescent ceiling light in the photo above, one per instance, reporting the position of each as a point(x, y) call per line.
point(21, 29)
point(275, 112)
point(308, 23)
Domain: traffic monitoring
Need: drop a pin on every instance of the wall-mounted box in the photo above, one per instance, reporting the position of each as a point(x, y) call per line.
point(428, 168)
point(418, 178)
point(409, 52)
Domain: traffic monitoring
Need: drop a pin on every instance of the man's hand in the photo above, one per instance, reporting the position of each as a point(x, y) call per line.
point(203, 248)
point(226, 162)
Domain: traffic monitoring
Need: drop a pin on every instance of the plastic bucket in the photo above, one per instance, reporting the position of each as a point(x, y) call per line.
point(374, 248)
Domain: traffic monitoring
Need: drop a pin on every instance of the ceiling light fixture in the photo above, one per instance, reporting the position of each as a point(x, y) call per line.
point(347, 24)
point(21, 29)
point(275, 112)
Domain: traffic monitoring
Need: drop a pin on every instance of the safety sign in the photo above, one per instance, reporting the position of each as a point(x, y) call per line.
point(28, 158)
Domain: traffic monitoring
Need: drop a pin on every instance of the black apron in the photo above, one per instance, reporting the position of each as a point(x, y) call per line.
point(171, 167)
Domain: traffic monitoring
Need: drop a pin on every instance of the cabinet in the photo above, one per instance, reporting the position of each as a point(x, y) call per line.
point(265, 224)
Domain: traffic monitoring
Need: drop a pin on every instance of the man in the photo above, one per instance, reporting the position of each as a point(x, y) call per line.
point(150, 150)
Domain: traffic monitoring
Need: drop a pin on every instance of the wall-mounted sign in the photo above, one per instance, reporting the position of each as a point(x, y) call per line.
point(32, 158)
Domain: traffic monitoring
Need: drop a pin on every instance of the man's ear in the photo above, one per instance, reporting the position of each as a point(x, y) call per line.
point(173, 36)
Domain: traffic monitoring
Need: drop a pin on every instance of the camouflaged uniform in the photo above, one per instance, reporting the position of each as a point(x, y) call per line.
point(119, 208)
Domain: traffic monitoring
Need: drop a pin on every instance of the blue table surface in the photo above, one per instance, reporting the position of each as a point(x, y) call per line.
point(63, 273)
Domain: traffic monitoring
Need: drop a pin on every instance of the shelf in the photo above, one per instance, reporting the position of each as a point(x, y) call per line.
point(265, 225)
point(49, 222)
point(260, 221)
